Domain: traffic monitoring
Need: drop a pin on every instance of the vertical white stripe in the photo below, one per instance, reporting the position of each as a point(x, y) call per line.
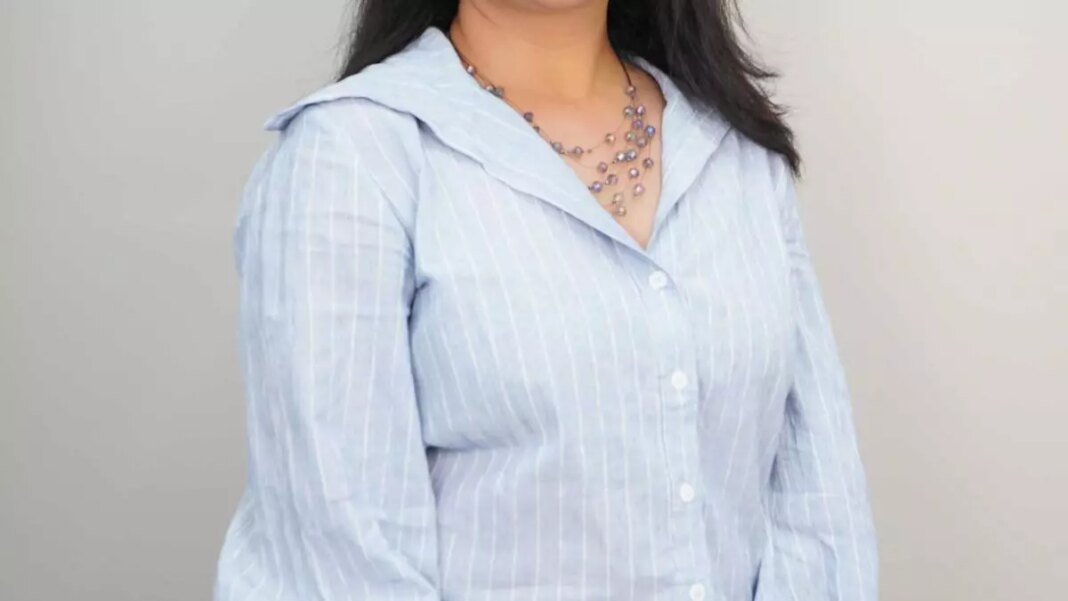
point(526, 228)
point(582, 437)
point(650, 485)
point(606, 312)
point(523, 361)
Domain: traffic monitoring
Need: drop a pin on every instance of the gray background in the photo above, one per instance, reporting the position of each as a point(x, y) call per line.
point(935, 199)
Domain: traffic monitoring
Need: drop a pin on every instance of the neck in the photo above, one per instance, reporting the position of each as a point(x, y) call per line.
point(562, 53)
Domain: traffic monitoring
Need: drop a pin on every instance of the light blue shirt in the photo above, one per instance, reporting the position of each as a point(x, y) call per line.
point(466, 381)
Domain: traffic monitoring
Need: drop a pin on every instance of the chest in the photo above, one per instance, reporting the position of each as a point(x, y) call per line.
point(514, 292)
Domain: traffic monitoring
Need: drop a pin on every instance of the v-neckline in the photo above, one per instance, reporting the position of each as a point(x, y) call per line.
point(579, 202)
point(657, 145)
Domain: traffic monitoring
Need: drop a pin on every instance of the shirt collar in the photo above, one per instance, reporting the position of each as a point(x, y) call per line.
point(427, 80)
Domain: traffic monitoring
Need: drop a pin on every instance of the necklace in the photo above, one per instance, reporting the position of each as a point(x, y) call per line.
point(607, 187)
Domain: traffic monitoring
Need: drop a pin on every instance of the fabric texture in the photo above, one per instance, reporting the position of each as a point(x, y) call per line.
point(465, 380)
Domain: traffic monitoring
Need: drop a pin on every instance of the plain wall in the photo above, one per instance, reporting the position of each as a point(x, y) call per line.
point(934, 201)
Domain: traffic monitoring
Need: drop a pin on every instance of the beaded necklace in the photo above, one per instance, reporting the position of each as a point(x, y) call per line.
point(606, 187)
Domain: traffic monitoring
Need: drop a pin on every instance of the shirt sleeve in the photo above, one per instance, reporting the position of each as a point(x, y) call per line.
point(821, 538)
point(338, 502)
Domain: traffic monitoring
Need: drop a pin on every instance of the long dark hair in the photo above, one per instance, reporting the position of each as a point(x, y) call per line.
point(693, 41)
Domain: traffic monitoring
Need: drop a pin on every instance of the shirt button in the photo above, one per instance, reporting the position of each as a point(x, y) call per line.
point(697, 592)
point(658, 279)
point(686, 492)
point(679, 379)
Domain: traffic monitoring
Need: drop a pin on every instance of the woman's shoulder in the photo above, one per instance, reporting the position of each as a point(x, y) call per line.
point(345, 103)
point(385, 141)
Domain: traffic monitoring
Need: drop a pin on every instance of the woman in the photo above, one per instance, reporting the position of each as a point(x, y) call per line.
point(527, 313)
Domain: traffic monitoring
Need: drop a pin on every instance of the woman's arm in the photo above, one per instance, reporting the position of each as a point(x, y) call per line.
point(821, 537)
point(338, 503)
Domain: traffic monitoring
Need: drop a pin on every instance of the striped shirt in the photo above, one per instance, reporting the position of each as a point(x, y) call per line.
point(466, 381)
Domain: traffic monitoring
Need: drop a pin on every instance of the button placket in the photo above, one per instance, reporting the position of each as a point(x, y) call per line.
point(677, 362)
point(685, 491)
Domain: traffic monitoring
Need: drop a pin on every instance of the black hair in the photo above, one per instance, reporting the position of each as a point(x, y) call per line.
point(693, 41)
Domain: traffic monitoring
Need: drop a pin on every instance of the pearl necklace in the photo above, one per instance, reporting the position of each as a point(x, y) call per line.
point(637, 139)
